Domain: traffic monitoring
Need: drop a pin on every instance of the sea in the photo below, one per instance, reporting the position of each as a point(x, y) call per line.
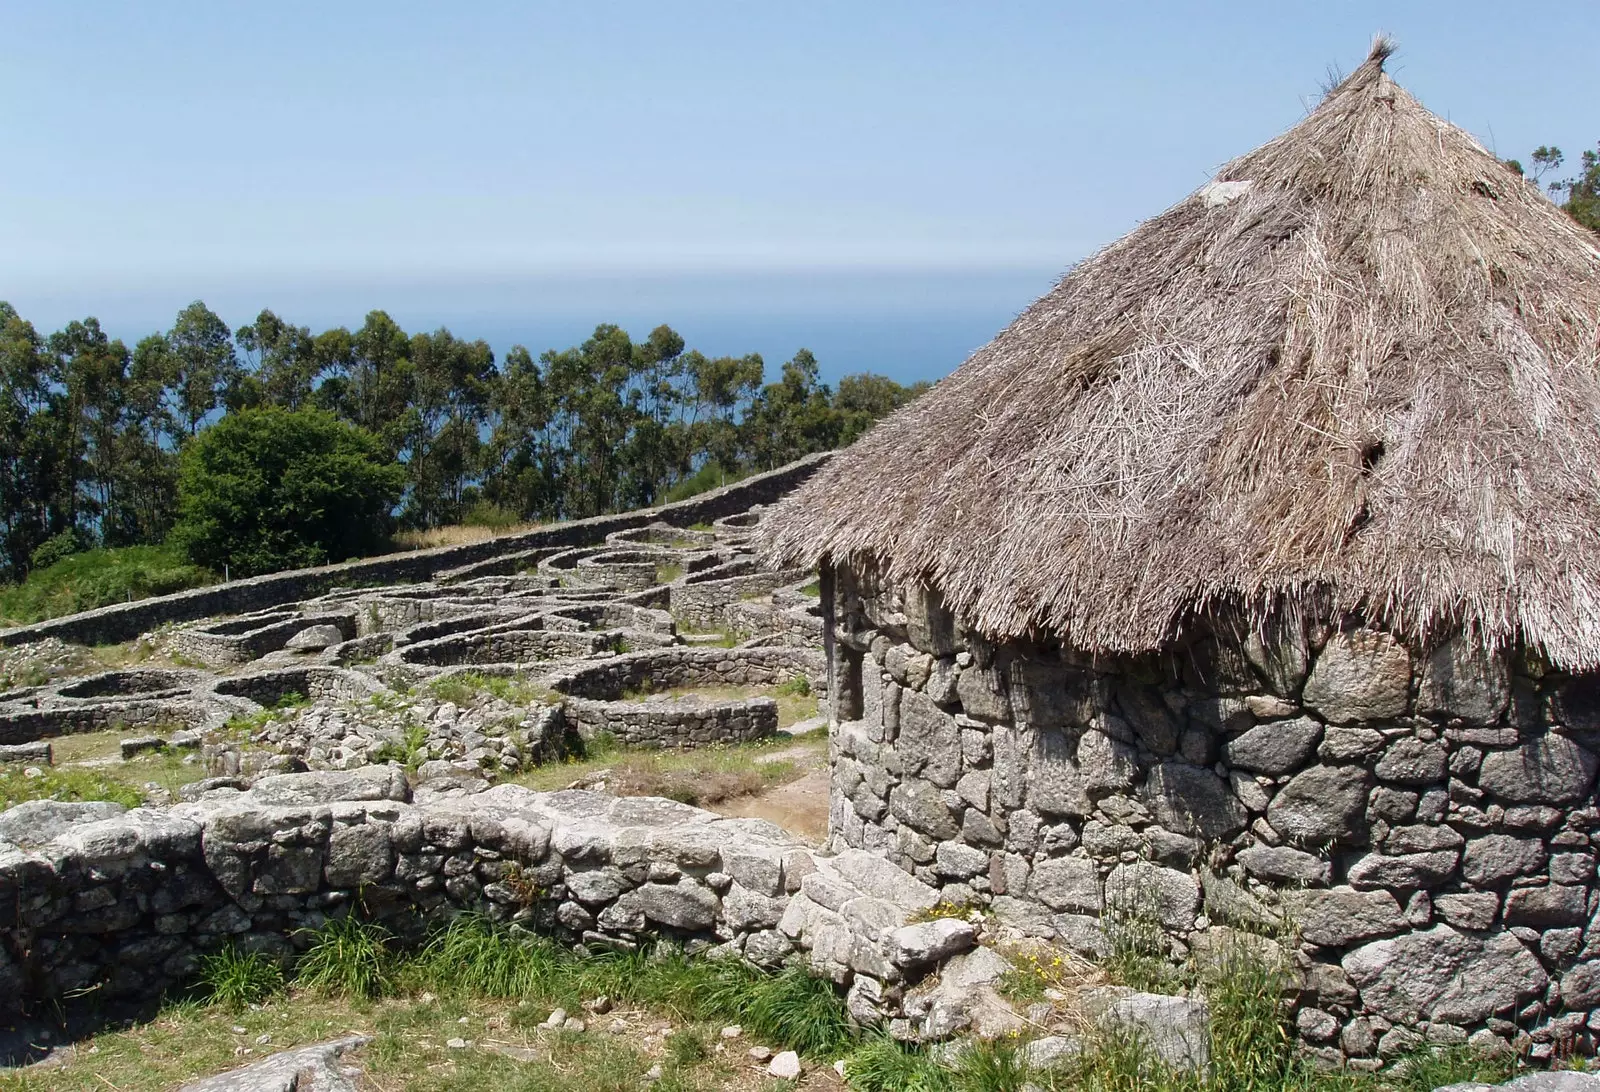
point(907, 324)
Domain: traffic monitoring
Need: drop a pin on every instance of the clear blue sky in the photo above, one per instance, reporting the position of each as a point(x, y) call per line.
point(766, 170)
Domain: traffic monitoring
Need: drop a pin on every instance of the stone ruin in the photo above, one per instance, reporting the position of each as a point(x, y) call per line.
point(1414, 832)
point(1416, 828)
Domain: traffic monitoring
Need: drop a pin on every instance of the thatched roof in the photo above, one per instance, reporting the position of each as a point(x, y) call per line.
point(1359, 369)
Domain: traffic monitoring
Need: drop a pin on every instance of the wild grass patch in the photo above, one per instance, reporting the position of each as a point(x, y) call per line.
point(64, 783)
point(348, 958)
point(98, 578)
point(465, 688)
point(236, 979)
point(702, 777)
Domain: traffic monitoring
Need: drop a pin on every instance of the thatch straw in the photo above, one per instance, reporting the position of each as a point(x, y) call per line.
point(1358, 371)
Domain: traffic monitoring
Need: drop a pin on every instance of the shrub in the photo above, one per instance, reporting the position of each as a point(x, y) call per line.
point(98, 578)
point(236, 979)
point(710, 476)
point(56, 547)
point(347, 957)
point(267, 489)
point(493, 516)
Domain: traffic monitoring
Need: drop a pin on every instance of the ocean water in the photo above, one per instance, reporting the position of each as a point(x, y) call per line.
point(909, 325)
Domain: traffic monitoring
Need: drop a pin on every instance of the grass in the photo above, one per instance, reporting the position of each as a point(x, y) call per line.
point(237, 979)
point(708, 477)
point(410, 751)
point(813, 589)
point(702, 777)
point(98, 578)
point(667, 573)
point(494, 986)
point(465, 688)
point(348, 958)
point(65, 784)
point(89, 766)
point(724, 639)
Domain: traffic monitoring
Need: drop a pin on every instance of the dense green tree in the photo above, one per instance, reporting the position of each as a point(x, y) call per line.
point(33, 464)
point(91, 434)
point(269, 488)
point(451, 386)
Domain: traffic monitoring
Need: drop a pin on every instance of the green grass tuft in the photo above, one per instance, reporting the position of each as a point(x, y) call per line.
point(349, 958)
point(237, 979)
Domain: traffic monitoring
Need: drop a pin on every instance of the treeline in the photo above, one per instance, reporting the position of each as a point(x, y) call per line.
point(91, 432)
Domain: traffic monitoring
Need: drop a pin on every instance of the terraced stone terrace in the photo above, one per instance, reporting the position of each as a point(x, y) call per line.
point(462, 680)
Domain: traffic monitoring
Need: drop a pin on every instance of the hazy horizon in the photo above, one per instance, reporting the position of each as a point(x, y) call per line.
point(886, 184)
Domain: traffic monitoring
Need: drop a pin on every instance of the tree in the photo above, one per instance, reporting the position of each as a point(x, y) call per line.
point(201, 365)
point(1583, 192)
point(266, 489)
point(285, 360)
point(862, 400)
point(35, 480)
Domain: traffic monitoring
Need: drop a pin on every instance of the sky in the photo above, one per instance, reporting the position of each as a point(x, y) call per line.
point(884, 181)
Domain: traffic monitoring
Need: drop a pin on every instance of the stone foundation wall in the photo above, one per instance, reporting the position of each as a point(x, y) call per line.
point(1418, 826)
point(110, 905)
point(703, 601)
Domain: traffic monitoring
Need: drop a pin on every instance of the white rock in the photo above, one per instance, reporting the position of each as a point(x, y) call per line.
point(785, 1066)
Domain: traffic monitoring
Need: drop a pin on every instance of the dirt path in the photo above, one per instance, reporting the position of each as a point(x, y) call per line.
point(800, 807)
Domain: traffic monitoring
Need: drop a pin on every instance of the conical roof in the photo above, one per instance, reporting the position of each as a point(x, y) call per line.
point(1359, 370)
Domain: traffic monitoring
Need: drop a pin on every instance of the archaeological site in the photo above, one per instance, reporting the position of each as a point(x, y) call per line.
point(1242, 594)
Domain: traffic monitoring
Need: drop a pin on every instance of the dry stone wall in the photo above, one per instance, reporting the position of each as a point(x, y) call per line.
point(1418, 826)
point(116, 905)
point(126, 621)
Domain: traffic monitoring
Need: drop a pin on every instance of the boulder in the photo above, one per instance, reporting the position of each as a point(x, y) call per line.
point(329, 786)
point(311, 1067)
point(1283, 864)
point(1175, 1030)
point(1360, 675)
point(1439, 974)
point(1192, 800)
point(1460, 681)
point(929, 941)
point(35, 822)
point(1495, 858)
point(1066, 883)
point(1549, 770)
point(1412, 761)
point(1341, 915)
point(1276, 747)
point(1322, 804)
point(1169, 896)
point(929, 743)
point(315, 638)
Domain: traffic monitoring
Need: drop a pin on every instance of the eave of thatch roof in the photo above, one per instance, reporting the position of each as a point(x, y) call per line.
point(1360, 368)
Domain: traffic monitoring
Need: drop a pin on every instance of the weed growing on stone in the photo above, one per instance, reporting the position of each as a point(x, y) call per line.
point(1139, 955)
point(237, 979)
point(799, 686)
point(409, 751)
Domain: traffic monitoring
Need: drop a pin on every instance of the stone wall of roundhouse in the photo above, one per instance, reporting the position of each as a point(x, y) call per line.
point(1416, 827)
